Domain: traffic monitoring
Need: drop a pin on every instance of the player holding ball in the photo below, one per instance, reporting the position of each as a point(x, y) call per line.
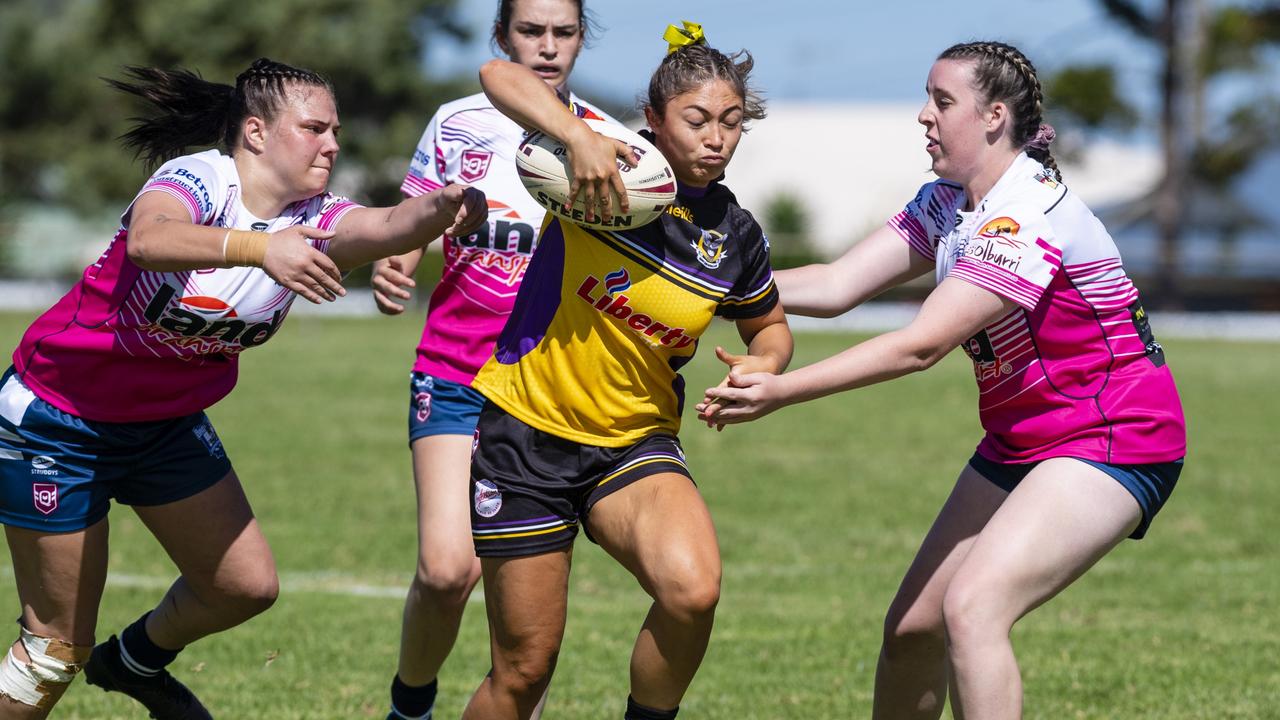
point(584, 398)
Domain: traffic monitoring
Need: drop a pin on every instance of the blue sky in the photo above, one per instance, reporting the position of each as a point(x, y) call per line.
point(829, 49)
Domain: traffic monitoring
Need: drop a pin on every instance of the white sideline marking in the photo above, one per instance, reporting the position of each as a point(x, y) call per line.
point(300, 583)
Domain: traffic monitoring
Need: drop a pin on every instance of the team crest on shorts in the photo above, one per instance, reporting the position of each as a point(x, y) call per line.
point(488, 499)
point(205, 432)
point(45, 496)
point(475, 165)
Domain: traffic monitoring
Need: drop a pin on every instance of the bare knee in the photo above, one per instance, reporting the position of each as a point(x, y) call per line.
point(446, 581)
point(911, 632)
point(526, 671)
point(690, 596)
point(971, 614)
point(247, 595)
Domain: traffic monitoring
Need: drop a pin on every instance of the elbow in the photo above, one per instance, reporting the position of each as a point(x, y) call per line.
point(139, 250)
point(924, 355)
point(489, 72)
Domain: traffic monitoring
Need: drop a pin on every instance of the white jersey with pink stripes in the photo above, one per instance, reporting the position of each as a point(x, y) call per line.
point(129, 345)
point(469, 142)
point(1073, 370)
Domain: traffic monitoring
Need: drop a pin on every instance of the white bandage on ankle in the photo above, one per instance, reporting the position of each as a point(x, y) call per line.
point(53, 663)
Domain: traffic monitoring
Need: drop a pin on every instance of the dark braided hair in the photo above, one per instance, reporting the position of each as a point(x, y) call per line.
point(1002, 73)
point(502, 22)
point(693, 66)
point(193, 112)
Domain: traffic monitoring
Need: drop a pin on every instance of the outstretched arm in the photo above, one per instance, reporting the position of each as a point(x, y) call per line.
point(367, 234)
point(953, 312)
point(163, 238)
point(880, 261)
point(522, 96)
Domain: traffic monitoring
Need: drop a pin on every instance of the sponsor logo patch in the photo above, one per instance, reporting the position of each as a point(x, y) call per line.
point(43, 465)
point(1003, 228)
point(45, 496)
point(488, 499)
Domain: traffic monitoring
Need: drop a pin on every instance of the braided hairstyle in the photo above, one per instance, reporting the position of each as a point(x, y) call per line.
point(191, 111)
point(1002, 73)
point(695, 65)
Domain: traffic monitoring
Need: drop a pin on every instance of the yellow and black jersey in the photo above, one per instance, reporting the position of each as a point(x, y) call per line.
point(604, 319)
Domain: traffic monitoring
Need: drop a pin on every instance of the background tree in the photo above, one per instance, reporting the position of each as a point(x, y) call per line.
point(1206, 150)
point(59, 121)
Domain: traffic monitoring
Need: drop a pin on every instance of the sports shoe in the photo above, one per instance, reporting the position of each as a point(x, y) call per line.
point(164, 696)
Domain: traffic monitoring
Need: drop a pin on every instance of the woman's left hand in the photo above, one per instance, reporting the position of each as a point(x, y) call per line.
point(746, 373)
point(467, 205)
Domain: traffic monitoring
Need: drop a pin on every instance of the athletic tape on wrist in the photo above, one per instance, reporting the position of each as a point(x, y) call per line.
point(245, 247)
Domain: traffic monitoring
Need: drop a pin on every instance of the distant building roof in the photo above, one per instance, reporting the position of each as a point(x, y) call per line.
point(855, 165)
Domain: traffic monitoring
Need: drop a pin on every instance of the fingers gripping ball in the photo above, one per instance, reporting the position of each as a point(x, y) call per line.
point(543, 166)
point(40, 681)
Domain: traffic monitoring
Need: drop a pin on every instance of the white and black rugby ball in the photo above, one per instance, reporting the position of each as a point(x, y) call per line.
point(543, 166)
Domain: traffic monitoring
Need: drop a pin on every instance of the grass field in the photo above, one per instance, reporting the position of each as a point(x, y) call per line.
point(819, 509)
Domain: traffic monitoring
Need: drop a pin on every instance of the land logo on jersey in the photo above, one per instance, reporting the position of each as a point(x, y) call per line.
point(204, 324)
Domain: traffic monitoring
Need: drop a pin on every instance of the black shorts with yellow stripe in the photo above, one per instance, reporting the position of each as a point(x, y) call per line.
point(531, 490)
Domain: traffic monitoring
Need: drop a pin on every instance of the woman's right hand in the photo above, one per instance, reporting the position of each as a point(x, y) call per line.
point(594, 175)
point(391, 284)
point(293, 263)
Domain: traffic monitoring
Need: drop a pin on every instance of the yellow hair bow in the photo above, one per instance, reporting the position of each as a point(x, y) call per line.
point(678, 37)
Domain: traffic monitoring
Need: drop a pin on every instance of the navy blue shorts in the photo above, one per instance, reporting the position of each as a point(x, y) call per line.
point(58, 472)
point(441, 407)
point(531, 490)
point(1150, 484)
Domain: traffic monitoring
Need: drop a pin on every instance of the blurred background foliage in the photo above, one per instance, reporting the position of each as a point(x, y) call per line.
point(53, 54)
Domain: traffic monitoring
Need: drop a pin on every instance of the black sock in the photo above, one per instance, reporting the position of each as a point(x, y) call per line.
point(139, 654)
point(636, 711)
point(411, 702)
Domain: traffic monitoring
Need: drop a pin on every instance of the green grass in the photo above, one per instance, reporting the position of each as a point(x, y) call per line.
point(819, 509)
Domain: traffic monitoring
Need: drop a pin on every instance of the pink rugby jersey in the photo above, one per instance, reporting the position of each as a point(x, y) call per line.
point(129, 345)
point(469, 142)
point(1073, 370)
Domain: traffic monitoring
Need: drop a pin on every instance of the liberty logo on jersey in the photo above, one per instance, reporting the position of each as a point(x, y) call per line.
point(475, 165)
point(710, 248)
point(205, 324)
point(45, 496)
point(613, 303)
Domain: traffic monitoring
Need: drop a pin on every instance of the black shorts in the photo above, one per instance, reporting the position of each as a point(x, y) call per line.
point(531, 490)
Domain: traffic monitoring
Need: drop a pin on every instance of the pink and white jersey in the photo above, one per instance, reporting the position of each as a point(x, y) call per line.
point(469, 142)
point(130, 345)
point(1073, 370)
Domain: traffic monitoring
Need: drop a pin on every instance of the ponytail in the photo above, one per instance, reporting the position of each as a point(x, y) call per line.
point(189, 111)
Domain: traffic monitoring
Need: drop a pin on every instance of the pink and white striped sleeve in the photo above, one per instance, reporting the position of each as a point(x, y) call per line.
point(1013, 254)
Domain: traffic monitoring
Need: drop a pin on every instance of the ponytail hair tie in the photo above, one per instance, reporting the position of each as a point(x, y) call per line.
point(1044, 136)
point(678, 37)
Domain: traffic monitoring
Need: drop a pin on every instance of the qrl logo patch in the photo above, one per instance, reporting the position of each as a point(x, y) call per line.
point(488, 499)
point(45, 496)
point(475, 165)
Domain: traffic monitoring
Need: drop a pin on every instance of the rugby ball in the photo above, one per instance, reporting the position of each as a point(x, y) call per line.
point(543, 166)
